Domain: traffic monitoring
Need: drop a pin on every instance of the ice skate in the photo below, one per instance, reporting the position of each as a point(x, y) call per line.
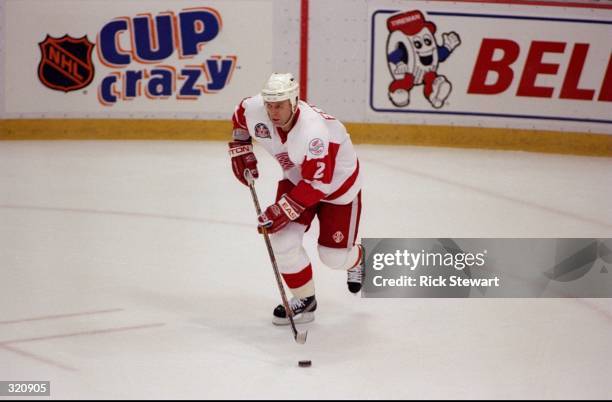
point(303, 311)
point(355, 275)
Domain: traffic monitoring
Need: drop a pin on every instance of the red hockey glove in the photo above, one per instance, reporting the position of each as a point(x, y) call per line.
point(278, 215)
point(243, 158)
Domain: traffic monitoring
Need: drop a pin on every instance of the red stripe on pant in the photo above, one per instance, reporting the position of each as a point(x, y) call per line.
point(298, 279)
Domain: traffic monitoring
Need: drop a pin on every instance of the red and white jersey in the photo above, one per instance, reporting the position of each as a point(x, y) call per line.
point(317, 154)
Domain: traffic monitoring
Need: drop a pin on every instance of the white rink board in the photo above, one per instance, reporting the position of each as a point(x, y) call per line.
point(355, 87)
point(348, 72)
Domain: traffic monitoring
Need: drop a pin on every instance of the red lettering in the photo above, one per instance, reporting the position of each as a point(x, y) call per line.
point(71, 67)
point(66, 62)
point(75, 72)
point(570, 89)
point(534, 67)
point(485, 63)
point(54, 55)
point(605, 94)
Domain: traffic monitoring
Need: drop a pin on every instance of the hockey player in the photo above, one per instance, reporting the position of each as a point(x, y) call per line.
point(320, 178)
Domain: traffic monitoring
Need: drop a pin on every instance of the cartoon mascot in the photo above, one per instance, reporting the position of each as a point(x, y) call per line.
point(413, 56)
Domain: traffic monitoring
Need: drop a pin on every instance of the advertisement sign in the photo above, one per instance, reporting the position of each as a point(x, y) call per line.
point(134, 56)
point(491, 62)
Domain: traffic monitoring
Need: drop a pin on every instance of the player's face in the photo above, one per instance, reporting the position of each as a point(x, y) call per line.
point(279, 112)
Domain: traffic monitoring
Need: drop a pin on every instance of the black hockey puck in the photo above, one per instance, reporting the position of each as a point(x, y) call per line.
point(305, 363)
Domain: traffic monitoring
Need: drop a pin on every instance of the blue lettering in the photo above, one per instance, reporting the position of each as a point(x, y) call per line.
point(219, 73)
point(131, 83)
point(160, 85)
point(107, 45)
point(188, 88)
point(142, 36)
point(106, 90)
point(191, 37)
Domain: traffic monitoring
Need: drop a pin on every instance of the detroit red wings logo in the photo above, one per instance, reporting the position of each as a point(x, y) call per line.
point(66, 63)
point(316, 146)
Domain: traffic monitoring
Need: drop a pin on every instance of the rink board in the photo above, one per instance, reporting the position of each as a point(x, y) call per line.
point(533, 77)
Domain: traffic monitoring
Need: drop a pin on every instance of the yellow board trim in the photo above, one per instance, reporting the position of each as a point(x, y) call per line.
point(556, 142)
point(114, 129)
point(361, 133)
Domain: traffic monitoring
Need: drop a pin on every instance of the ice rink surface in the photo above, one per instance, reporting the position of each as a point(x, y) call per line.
point(134, 270)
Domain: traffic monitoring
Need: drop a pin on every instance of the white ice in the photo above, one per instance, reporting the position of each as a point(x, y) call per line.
point(134, 270)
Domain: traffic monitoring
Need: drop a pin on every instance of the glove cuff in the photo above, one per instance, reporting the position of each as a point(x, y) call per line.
point(238, 148)
point(291, 208)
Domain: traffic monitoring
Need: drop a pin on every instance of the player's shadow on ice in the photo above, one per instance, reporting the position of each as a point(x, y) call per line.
point(246, 323)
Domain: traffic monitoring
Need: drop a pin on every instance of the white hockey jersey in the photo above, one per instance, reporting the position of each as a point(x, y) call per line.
point(316, 155)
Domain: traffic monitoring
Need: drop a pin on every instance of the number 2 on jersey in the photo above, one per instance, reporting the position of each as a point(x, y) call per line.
point(319, 173)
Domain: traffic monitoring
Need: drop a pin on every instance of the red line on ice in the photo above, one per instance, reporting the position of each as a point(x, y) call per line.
point(55, 316)
point(83, 333)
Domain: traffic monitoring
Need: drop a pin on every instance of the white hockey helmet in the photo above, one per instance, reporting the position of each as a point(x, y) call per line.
point(279, 87)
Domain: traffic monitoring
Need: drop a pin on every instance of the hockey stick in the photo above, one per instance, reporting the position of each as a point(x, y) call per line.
point(300, 337)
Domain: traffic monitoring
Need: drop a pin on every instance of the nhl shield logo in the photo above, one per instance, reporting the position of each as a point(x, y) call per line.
point(66, 63)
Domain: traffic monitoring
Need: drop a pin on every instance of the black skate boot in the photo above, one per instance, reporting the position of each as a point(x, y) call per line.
point(355, 274)
point(303, 311)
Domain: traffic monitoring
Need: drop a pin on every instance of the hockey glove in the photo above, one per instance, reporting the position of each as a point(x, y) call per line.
point(278, 215)
point(243, 158)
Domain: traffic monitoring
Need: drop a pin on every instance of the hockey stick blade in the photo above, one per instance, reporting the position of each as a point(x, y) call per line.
point(300, 337)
